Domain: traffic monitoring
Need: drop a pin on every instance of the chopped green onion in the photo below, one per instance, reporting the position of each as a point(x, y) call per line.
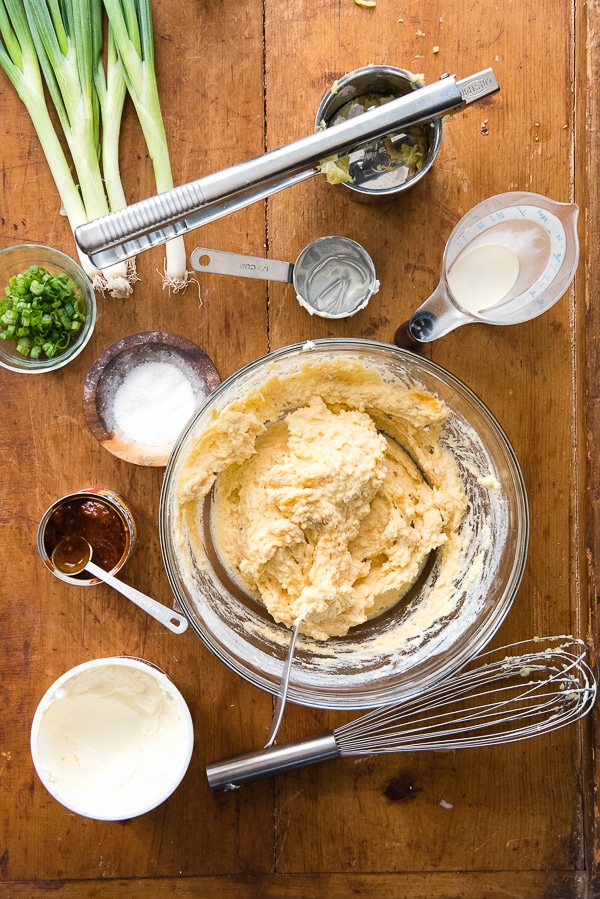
point(41, 312)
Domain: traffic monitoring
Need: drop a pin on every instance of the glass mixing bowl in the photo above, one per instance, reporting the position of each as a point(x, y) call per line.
point(371, 665)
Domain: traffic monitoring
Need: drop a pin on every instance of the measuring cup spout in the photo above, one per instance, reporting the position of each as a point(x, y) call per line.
point(566, 212)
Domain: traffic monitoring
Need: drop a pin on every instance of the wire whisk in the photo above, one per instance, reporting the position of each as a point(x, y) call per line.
point(518, 691)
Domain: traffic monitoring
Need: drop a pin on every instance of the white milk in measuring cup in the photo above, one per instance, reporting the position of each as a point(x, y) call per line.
point(508, 260)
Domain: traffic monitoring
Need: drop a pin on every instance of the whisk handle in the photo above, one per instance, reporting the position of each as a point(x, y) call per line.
point(234, 772)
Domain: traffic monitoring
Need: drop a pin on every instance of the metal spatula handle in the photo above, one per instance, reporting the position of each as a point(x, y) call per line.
point(155, 220)
point(283, 687)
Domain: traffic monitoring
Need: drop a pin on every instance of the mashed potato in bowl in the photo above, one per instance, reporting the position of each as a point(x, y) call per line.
point(323, 513)
point(347, 484)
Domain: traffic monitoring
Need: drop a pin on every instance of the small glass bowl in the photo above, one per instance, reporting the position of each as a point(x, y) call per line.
point(14, 261)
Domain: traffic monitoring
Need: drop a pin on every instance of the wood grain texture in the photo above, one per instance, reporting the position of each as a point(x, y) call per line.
point(449, 885)
point(588, 319)
point(515, 822)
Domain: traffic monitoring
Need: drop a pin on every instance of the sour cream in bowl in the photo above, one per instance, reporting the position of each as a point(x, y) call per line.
point(112, 738)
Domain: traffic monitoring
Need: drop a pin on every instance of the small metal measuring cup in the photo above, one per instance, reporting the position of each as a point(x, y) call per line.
point(334, 277)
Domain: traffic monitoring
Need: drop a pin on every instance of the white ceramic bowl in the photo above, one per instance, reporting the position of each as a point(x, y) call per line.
point(112, 738)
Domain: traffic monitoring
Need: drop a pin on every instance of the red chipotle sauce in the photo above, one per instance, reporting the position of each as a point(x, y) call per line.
point(71, 555)
point(94, 520)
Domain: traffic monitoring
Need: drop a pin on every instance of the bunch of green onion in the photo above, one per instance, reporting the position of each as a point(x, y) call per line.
point(58, 43)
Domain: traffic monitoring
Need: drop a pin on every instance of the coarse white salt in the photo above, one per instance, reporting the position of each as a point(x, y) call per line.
point(153, 403)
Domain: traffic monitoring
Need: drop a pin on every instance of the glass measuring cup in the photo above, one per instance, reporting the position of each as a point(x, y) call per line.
point(334, 277)
point(506, 261)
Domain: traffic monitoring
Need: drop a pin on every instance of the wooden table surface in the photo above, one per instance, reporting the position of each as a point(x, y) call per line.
point(236, 79)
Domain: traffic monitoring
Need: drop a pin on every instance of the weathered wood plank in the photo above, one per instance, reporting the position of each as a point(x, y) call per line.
point(518, 807)
point(495, 823)
point(446, 885)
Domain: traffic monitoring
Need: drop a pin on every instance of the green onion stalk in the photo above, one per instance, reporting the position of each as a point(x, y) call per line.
point(111, 90)
point(131, 24)
point(38, 45)
point(67, 35)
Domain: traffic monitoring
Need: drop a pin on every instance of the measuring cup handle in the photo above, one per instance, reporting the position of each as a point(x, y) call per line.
point(404, 339)
point(222, 263)
point(437, 316)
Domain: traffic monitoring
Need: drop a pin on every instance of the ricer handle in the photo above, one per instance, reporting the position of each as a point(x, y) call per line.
point(234, 772)
point(153, 221)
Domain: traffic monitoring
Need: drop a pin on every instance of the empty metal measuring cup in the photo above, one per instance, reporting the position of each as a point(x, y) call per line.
point(334, 277)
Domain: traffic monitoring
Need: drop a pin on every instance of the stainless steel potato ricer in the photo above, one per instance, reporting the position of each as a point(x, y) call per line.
point(153, 221)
